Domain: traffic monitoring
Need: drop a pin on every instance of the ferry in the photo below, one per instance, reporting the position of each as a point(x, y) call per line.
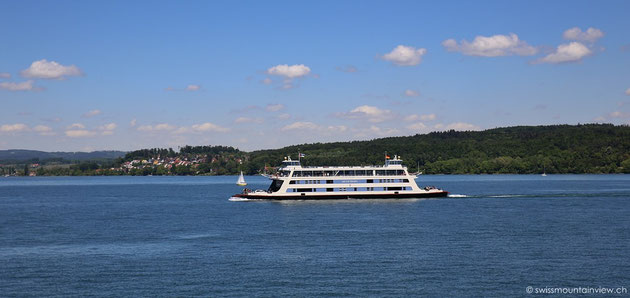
point(295, 182)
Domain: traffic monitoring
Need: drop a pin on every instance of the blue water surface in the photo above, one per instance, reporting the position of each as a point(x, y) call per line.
point(157, 236)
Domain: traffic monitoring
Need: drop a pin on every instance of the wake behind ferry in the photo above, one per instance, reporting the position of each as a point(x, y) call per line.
point(294, 182)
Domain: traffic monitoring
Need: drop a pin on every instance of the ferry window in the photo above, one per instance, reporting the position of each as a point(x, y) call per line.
point(329, 181)
point(380, 172)
point(329, 189)
point(355, 189)
point(400, 172)
point(318, 173)
point(405, 180)
point(394, 188)
point(286, 173)
point(370, 181)
point(360, 172)
point(275, 186)
point(304, 189)
point(292, 182)
point(329, 173)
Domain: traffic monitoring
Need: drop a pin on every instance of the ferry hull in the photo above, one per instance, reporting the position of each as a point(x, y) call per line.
point(252, 196)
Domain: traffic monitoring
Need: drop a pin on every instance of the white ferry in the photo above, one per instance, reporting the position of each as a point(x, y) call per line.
point(294, 182)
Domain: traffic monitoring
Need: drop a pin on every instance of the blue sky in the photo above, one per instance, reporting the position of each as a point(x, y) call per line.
point(87, 75)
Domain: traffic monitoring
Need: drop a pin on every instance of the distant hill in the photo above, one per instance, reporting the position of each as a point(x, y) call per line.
point(22, 155)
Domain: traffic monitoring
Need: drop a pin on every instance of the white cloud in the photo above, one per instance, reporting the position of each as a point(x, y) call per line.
point(590, 35)
point(369, 113)
point(428, 117)
point(267, 81)
point(405, 56)
point(315, 128)
point(284, 116)
point(248, 120)
point(43, 69)
point(571, 52)
point(491, 46)
point(300, 125)
point(460, 126)
point(92, 113)
point(80, 133)
point(628, 91)
point(44, 130)
point(133, 122)
point(209, 127)
point(109, 126)
point(76, 125)
point(619, 114)
point(18, 127)
point(5, 75)
point(411, 93)
point(418, 126)
point(22, 86)
point(274, 107)
point(290, 72)
point(157, 127)
point(412, 117)
point(193, 87)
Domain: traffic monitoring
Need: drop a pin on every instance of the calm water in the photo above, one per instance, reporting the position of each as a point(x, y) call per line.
point(156, 236)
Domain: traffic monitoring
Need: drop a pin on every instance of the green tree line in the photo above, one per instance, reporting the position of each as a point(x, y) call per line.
point(590, 148)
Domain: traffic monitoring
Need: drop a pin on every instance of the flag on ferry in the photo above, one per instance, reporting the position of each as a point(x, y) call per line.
point(387, 157)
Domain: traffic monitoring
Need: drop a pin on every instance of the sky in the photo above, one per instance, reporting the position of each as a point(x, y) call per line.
point(127, 75)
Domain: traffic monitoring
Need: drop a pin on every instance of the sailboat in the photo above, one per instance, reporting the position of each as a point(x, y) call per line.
point(241, 180)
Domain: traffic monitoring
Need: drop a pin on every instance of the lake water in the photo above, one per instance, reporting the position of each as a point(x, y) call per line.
point(157, 236)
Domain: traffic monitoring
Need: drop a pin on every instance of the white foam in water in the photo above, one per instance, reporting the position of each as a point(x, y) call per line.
point(237, 199)
point(457, 196)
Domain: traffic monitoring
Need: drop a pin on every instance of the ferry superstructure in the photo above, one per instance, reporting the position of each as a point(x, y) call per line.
point(295, 182)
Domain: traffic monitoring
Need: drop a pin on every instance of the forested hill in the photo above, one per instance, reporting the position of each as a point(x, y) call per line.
point(592, 148)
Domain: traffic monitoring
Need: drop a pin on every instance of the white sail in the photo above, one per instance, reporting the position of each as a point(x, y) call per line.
point(241, 180)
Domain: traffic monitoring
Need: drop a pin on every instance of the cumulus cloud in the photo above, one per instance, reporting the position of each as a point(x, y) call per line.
point(107, 129)
point(157, 127)
point(425, 117)
point(22, 86)
point(5, 75)
point(133, 122)
point(418, 126)
point(619, 114)
point(43, 69)
point(405, 55)
point(369, 113)
point(204, 127)
point(12, 128)
point(91, 113)
point(76, 126)
point(571, 52)
point(193, 87)
point(80, 133)
point(590, 35)
point(491, 46)
point(460, 126)
point(290, 72)
point(628, 91)
point(300, 125)
point(411, 93)
point(312, 127)
point(248, 120)
point(274, 107)
point(44, 130)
